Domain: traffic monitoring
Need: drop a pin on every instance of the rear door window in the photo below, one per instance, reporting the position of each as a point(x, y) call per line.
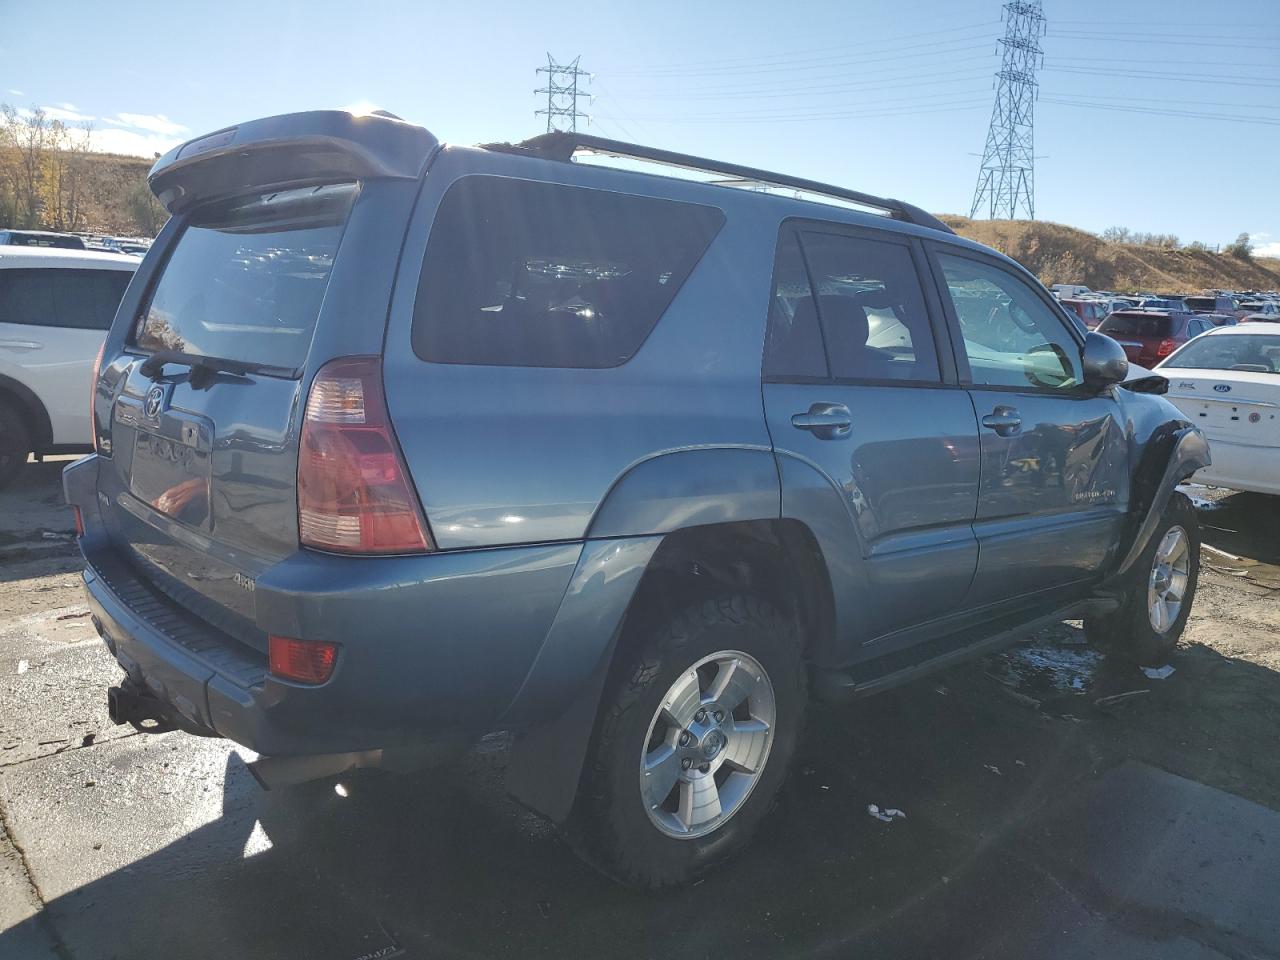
point(794, 345)
point(521, 273)
point(59, 297)
point(874, 318)
point(246, 277)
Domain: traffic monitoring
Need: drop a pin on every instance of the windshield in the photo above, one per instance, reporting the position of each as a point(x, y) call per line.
point(247, 276)
point(1257, 352)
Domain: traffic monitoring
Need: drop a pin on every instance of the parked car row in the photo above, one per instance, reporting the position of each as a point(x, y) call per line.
point(47, 239)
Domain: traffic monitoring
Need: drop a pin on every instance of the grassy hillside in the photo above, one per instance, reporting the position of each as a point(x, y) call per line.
point(119, 203)
point(115, 204)
point(1058, 254)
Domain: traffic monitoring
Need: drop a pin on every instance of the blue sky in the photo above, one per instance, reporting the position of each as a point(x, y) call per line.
point(1160, 116)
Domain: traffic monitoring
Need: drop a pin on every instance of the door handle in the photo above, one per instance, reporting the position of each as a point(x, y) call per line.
point(1005, 421)
point(826, 421)
point(22, 344)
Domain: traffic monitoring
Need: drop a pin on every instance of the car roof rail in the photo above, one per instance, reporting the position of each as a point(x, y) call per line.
point(563, 145)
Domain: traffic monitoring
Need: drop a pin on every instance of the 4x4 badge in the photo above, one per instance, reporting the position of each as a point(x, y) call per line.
point(155, 400)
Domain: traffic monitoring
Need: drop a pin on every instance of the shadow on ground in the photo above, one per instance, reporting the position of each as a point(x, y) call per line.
point(442, 865)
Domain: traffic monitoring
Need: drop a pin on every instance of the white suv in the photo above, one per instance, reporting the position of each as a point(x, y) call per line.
point(55, 308)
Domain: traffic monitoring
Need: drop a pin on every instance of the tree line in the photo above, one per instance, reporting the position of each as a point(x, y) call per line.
point(1241, 249)
point(42, 170)
point(47, 175)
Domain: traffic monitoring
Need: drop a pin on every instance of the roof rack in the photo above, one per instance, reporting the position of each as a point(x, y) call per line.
point(562, 145)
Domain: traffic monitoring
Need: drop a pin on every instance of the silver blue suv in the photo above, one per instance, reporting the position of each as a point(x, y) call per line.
point(400, 443)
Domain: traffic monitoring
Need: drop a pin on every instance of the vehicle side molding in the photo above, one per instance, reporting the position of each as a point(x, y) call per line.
point(688, 488)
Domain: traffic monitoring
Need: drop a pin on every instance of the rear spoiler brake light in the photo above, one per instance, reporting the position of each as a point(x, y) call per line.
point(312, 147)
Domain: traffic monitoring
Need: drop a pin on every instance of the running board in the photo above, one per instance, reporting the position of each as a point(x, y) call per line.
point(861, 679)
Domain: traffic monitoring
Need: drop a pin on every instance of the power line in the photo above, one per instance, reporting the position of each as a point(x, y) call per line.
point(562, 94)
point(1164, 77)
point(831, 71)
point(784, 61)
point(911, 78)
point(1155, 111)
point(1006, 179)
point(952, 107)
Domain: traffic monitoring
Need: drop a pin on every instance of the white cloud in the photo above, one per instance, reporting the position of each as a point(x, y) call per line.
point(16, 93)
point(67, 113)
point(134, 143)
point(1271, 249)
point(151, 122)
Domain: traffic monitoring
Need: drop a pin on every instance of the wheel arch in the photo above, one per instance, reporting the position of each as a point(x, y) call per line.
point(1175, 450)
point(777, 558)
point(33, 410)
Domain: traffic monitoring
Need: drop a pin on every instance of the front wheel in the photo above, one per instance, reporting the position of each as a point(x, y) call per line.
point(692, 742)
point(1159, 592)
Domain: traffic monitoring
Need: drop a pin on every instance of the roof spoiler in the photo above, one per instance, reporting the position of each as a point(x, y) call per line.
point(562, 145)
point(291, 149)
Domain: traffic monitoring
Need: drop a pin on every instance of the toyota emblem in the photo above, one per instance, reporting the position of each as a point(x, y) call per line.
point(155, 400)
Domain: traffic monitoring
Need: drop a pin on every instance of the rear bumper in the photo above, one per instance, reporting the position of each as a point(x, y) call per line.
point(1239, 466)
point(430, 646)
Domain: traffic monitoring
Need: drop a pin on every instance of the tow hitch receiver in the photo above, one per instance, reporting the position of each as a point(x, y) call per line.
point(138, 708)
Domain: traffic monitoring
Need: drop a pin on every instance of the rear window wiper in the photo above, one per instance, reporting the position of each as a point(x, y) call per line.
point(203, 368)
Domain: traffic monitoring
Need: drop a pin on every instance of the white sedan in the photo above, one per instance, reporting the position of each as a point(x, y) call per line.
point(1227, 382)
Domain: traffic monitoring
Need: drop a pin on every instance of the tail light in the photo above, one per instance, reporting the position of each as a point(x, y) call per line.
point(93, 393)
point(304, 661)
point(1166, 347)
point(353, 490)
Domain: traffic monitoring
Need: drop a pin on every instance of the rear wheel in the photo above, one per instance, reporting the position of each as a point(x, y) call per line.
point(693, 740)
point(15, 443)
point(1159, 592)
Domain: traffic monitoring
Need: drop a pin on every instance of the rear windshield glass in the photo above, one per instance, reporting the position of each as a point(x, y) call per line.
point(1202, 303)
point(1257, 352)
point(58, 297)
point(519, 273)
point(246, 278)
point(1136, 325)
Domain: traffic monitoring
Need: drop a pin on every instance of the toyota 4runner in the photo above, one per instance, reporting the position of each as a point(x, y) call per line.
point(400, 443)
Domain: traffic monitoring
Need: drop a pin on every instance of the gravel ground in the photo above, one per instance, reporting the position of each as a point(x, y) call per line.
point(1047, 814)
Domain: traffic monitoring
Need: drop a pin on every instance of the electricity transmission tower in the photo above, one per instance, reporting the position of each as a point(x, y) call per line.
point(1006, 180)
point(562, 94)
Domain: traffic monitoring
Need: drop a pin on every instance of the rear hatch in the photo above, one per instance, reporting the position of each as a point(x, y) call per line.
point(1141, 334)
point(203, 433)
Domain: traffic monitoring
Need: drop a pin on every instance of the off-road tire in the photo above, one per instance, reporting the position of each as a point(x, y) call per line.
point(1127, 633)
point(609, 826)
point(15, 443)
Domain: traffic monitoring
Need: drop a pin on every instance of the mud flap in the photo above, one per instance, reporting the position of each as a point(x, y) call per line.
point(545, 765)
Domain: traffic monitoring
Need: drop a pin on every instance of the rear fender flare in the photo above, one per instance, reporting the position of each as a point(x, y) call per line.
point(686, 488)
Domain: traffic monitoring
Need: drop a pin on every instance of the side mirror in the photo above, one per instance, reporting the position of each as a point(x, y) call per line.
point(1103, 362)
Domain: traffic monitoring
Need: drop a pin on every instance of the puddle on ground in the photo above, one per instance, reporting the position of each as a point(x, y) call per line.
point(1046, 671)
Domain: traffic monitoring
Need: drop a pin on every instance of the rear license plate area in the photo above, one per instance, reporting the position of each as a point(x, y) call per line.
point(171, 472)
